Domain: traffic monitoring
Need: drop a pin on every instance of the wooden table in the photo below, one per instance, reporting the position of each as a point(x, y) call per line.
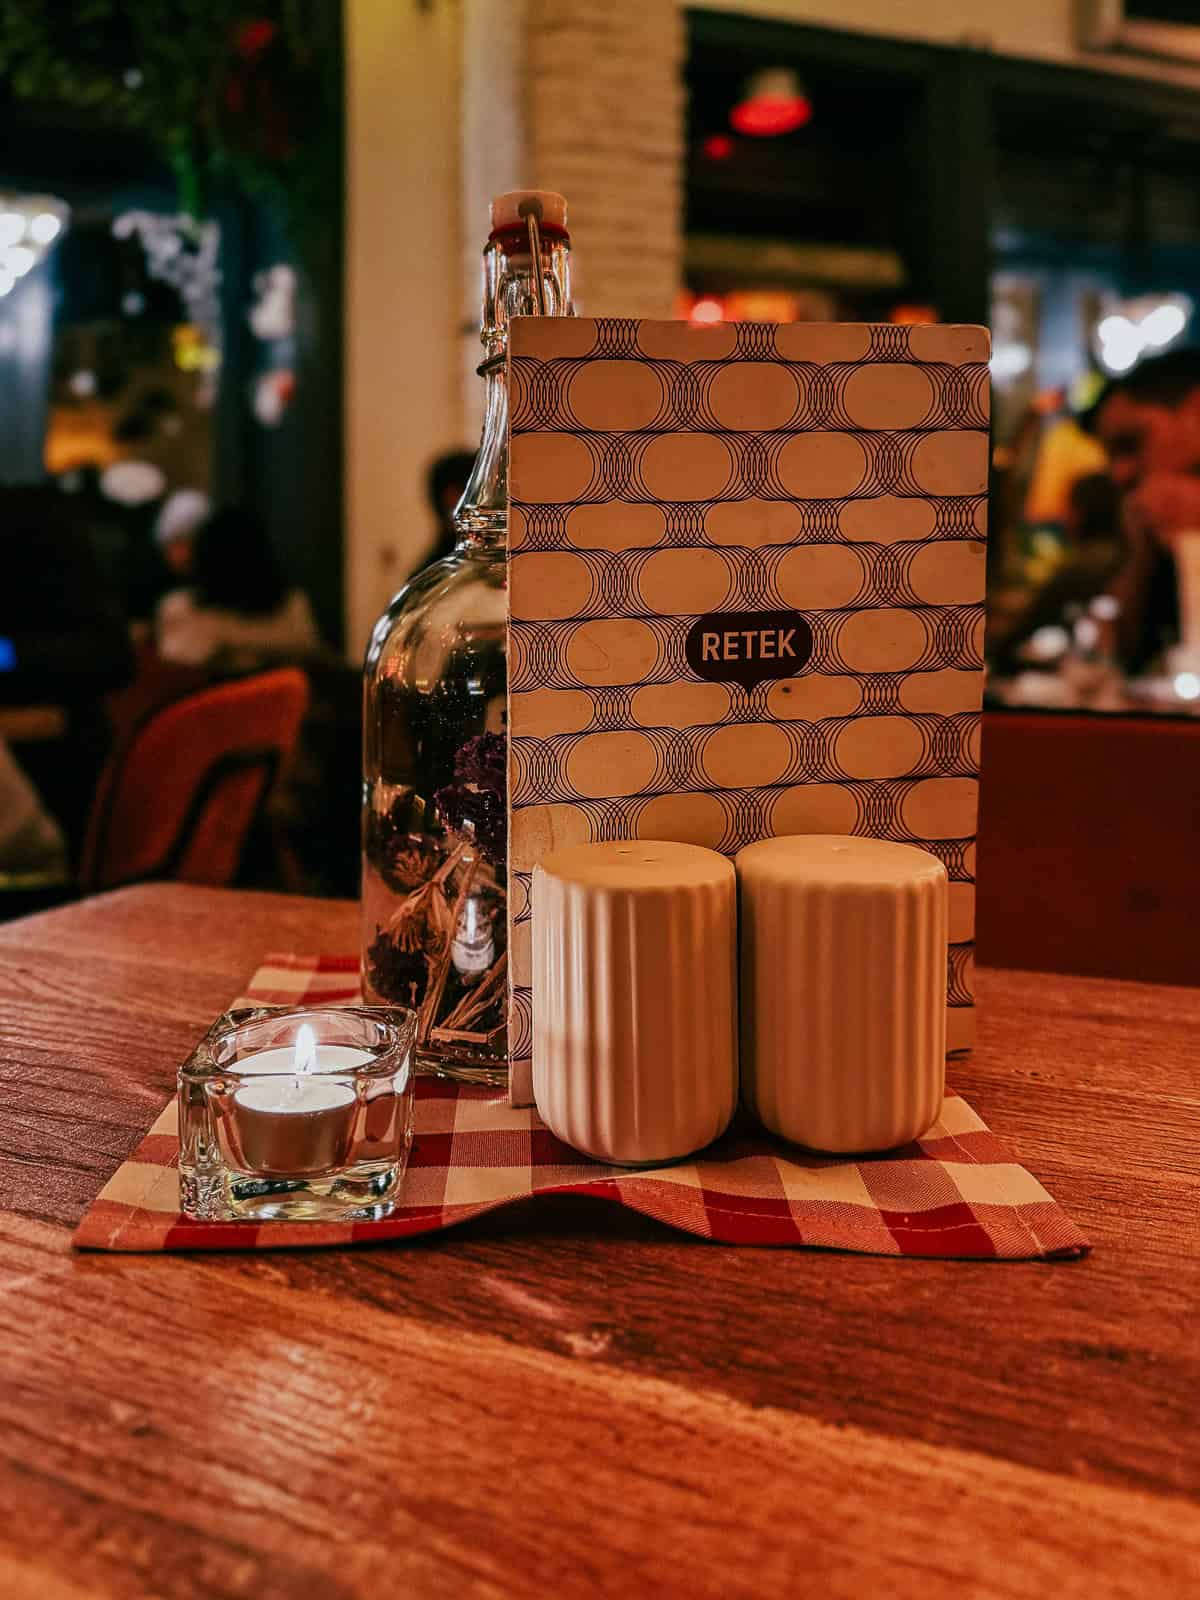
point(575, 1402)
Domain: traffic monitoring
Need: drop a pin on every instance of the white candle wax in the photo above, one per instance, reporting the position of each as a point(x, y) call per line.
point(293, 1118)
point(294, 1096)
point(326, 1058)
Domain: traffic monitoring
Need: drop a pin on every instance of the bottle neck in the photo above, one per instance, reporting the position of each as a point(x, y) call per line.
point(510, 289)
point(481, 515)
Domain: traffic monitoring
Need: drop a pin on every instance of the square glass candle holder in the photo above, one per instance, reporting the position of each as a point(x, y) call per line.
point(298, 1114)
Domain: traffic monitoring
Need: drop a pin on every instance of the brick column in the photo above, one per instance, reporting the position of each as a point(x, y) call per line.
point(586, 97)
point(605, 126)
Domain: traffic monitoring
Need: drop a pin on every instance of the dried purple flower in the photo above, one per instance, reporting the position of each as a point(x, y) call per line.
point(478, 815)
point(482, 761)
point(475, 804)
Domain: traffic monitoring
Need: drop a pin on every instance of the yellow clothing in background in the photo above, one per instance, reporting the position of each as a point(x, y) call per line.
point(1065, 453)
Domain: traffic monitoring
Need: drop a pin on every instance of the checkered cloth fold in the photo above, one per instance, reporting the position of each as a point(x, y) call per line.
point(956, 1192)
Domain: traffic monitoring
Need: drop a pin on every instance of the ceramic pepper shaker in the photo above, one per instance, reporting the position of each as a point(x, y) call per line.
point(843, 989)
point(634, 998)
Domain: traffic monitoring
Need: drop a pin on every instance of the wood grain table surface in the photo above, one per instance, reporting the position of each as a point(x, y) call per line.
point(569, 1401)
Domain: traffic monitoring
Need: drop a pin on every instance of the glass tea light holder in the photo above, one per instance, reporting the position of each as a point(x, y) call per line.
point(297, 1115)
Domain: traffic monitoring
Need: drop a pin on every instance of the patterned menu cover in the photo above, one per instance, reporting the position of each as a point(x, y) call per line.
point(746, 582)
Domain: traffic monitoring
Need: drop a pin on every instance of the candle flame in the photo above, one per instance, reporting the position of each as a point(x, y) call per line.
point(306, 1049)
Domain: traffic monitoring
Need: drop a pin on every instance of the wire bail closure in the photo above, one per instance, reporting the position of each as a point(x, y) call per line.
point(535, 252)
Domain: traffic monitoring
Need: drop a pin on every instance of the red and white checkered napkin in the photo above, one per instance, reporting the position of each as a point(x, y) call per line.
point(956, 1192)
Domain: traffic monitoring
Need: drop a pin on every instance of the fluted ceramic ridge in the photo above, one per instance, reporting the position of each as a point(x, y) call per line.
point(843, 991)
point(634, 998)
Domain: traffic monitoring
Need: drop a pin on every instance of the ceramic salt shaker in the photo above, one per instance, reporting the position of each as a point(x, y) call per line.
point(634, 998)
point(843, 992)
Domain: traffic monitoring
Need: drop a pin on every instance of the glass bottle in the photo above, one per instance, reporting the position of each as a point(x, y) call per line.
point(435, 757)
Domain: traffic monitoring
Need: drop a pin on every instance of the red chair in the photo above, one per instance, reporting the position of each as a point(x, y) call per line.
point(178, 800)
point(155, 684)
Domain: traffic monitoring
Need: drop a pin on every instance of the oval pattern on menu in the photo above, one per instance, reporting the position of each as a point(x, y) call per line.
point(815, 808)
point(518, 896)
point(545, 584)
point(685, 467)
point(611, 651)
point(745, 755)
point(949, 573)
point(887, 519)
point(819, 577)
point(520, 954)
point(539, 829)
point(962, 912)
point(946, 342)
point(541, 713)
point(822, 341)
point(951, 463)
point(615, 525)
point(753, 396)
point(978, 630)
point(879, 747)
point(887, 394)
point(942, 808)
point(812, 698)
point(610, 764)
point(886, 640)
point(945, 692)
point(752, 523)
point(568, 337)
point(680, 705)
point(549, 468)
point(686, 818)
point(821, 466)
point(686, 341)
point(616, 396)
point(684, 582)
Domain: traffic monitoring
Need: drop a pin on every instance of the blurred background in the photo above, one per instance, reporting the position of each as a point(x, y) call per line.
point(239, 303)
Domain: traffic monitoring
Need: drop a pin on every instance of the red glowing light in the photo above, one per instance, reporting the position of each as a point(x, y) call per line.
point(718, 147)
point(772, 101)
point(765, 116)
point(911, 316)
point(708, 311)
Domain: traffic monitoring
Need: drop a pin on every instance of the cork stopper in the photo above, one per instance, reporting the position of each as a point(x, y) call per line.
point(512, 208)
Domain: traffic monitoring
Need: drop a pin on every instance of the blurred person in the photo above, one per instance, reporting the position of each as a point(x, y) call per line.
point(1149, 424)
point(1094, 554)
point(130, 497)
point(110, 541)
point(444, 485)
point(121, 538)
point(238, 611)
point(63, 642)
point(30, 839)
point(181, 516)
point(1065, 454)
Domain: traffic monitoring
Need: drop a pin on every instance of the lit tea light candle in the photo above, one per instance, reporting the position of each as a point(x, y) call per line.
point(305, 1057)
point(297, 1114)
point(294, 1119)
